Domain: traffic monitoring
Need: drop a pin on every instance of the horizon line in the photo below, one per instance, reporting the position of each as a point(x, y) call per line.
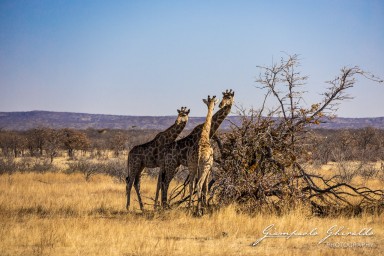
point(130, 115)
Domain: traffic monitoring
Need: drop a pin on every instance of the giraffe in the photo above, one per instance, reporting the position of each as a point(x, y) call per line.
point(177, 152)
point(147, 155)
point(204, 161)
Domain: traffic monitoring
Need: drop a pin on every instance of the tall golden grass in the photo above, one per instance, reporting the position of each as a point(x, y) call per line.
point(62, 214)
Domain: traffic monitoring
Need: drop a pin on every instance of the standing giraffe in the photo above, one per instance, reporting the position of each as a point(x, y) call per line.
point(147, 155)
point(204, 152)
point(178, 153)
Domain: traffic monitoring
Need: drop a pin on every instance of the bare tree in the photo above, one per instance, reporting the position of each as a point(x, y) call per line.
point(262, 160)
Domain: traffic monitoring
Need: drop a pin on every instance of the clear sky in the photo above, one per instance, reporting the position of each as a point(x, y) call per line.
point(151, 57)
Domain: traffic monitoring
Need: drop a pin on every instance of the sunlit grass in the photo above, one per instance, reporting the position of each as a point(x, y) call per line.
point(62, 214)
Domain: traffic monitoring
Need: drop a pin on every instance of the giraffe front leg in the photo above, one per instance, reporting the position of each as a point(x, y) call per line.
point(206, 191)
point(199, 210)
point(205, 169)
point(164, 194)
point(208, 170)
point(191, 191)
point(204, 194)
point(158, 188)
point(192, 182)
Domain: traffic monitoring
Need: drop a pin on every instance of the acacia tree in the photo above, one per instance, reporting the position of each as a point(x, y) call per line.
point(11, 143)
point(36, 139)
point(117, 142)
point(262, 164)
point(74, 140)
point(54, 140)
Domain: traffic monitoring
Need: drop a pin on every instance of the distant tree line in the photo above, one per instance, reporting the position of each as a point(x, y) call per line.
point(35, 150)
point(366, 144)
point(47, 142)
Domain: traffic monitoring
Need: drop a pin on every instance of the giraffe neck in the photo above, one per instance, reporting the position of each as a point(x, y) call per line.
point(170, 134)
point(205, 132)
point(218, 118)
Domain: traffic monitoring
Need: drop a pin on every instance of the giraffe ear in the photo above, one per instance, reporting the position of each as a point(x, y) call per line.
point(188, 111)
point(205, 101)
point(178, 111)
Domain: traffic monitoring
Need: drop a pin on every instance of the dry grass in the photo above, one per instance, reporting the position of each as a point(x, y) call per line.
point(61, 214)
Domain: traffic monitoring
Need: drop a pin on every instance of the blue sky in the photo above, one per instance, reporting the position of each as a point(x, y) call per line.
point(151, 57)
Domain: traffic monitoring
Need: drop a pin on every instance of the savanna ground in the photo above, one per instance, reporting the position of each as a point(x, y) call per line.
point(55, 213)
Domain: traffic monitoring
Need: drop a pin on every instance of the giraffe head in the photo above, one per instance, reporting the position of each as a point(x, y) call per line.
point(227, 98)
point(183, 115)
point(210, 101)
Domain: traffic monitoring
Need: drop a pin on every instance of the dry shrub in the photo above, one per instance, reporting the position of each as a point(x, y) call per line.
point(261, 163)
point(26, 164)
point(113, 167)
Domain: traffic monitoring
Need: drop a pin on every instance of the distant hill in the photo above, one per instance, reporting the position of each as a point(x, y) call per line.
point(354, 123)
point(32, 119)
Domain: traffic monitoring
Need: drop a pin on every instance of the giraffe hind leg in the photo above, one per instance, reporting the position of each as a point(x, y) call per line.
point(133, 171)
point(164, 194)
point(157, 192)
point(160, 180)
point(137, 188)
point(205, 168)
point(129, 182)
